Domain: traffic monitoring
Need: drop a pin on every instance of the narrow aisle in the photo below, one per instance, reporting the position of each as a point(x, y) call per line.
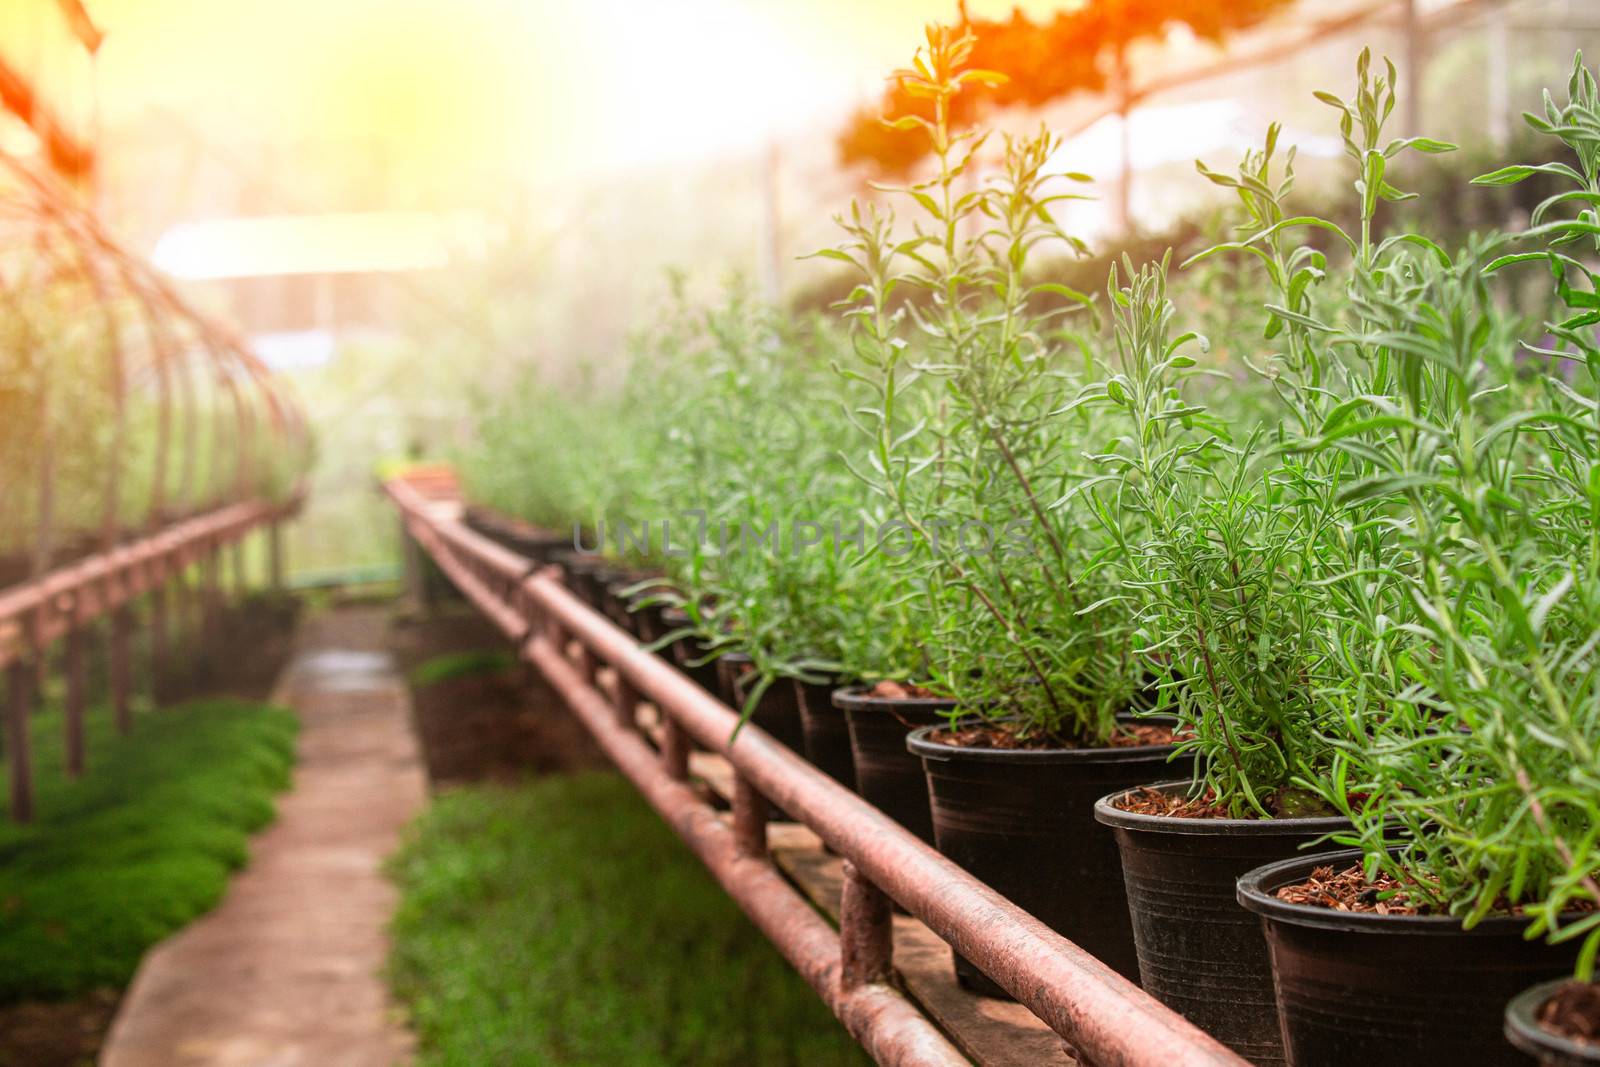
point(287, 972)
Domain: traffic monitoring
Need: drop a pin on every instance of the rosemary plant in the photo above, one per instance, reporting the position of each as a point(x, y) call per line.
point(1488, 756)
point(963, 365)
point(1258, 575)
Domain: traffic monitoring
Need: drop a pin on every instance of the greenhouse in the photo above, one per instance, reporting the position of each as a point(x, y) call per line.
point(718, 532)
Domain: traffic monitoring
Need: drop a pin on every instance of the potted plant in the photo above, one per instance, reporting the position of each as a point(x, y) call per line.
point(1557, 1023)
point(788, 568)
point(1476, 770)
point(1245, 549)
point(973, 457)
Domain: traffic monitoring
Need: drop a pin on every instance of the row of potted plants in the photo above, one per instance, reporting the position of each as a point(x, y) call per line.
point(1261, 667)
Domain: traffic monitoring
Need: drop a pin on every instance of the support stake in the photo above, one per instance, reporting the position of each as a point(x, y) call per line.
point(210, 592)
point(160, 644)
point(588, 666)
point(866, 931)
point(19, 706)
point(750, 813)
point(72, 665)
point(628, 701)
point(674, 749)
point(121, 669)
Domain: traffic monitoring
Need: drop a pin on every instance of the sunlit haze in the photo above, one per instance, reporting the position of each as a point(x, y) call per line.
point(546, 89)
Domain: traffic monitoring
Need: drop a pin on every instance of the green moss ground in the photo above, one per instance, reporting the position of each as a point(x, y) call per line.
point(443, 668)
point(560, 922)
point(140, 846)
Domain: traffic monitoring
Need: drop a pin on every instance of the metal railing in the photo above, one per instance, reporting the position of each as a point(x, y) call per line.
point(60, 606)
point(1105, 1017)
point(138, 438)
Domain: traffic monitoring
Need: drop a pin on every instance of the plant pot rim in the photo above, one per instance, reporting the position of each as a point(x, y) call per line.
point(1524, 1031)
point(1256, 894)
point(829, 681)
point(489, 513)
point(624, 579)
point(919, 744)
point(582, 561)
point(860, 698)
point(1108, 813)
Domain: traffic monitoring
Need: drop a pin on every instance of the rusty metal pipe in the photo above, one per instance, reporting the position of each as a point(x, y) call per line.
point(121, 669)
point(19, 709)
point(65, 603)
point(77, 698)
point(1096, 1009)
point(866, 929)
point(894, 1032)
point(482, 597)
point(750, 812)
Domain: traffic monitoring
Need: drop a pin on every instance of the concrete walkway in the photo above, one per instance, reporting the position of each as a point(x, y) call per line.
point(287, 971)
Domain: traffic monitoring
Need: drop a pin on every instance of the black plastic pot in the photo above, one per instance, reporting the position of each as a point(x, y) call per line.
point(1023, 821)
point(618, 604)
point(525, 539)
point(1522, 1029)
point(1392, 990)
point(584, 574)
point(827, 735)
point(646, 608)
point(777, 712)
point(686, 651)
point(602, 580)
point(1200, 953)
point(730, 665)
point(887, 776)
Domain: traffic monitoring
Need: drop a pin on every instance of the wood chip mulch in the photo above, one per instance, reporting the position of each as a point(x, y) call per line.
point(890, 690)
point(1147, 801)
point(988, 735)
point(1573, 1013)
point(1350, 890)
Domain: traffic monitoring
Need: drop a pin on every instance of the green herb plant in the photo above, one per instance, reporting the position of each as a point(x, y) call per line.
point(1265, 581)
point(1487, 758)
point(968, 444)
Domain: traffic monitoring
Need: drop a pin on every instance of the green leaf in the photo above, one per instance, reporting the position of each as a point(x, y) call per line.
point(1511, 175)
point(1386, 485)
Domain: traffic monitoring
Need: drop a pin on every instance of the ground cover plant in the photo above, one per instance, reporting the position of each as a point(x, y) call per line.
point(467, 664)
point(555, 922)
point(140, 846)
